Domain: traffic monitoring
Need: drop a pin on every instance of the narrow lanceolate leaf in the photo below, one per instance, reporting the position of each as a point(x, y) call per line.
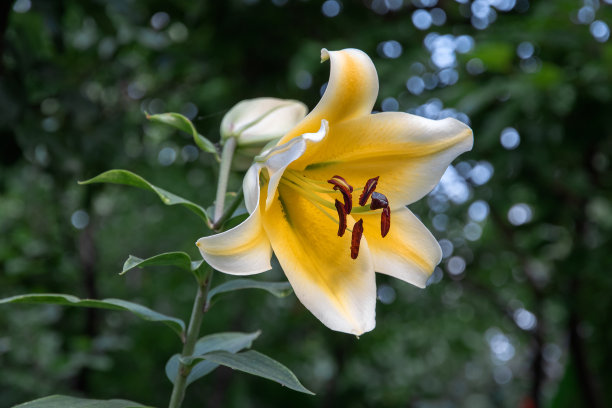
point(64, 401)
point(278, 289)
point(180, 122)
point(178, 259)
point(255, 363)
point(231, 342)
point(112, 304)
point(118, 176)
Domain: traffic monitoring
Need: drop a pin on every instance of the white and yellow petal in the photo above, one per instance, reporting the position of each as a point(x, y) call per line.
point(244, 249)
point(276, 160)
point(351, 91)
point(339, 291)
point(409, 251)
point(409, 153)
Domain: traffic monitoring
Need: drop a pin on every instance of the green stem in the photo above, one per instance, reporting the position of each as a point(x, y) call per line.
point(224, 171)
point(193, 331)
point(230, 210)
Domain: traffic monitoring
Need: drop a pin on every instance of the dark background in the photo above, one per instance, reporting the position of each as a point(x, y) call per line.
point(517, 314)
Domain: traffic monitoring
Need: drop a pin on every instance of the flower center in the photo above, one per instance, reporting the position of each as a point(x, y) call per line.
point(323, 197)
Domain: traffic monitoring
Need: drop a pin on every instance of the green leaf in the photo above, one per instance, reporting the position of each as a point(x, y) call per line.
point(255, 363)
point(112, 304)
point(178, 259)
point(118, 176)
point(180, 122)
point(231, 342)
point(278, 289)
point(64, 401)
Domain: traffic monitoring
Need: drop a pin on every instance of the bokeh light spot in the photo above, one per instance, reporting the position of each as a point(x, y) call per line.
point(525, 50)
point(475, 66)
point(438, 16)
point(478, 210)
point(524, 319)
point(415, 85)
point(386, 294)
point(447, 247)
point(510, 138)
point(600, 30)
point(481, 173)
point(160, 20)
point(178, 32)
point(519, 214)
point(421, 19)
point(455, 265)
point(331, 8)
point(472, 231)
point(190, 153)
point(166, 156)
point(391, 49)
point(22, 6)
point(79, 219)
point(303, 79)
point(390, 105)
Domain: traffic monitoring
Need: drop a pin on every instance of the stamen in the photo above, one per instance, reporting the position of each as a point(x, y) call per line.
point(378, 201)
point(368, 190)
point(385, 221)
point(337, 180)
point(342, 218)
point(306, 183)
point(356, 238)
point(313, 197)
point(346, 189)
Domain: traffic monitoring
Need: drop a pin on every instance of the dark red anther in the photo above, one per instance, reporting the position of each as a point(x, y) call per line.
point(356, 238)
point(338, 180)
point(378, 201)
point(385, 221)
point(346, 189)
point(369, 188)
point(342, 218)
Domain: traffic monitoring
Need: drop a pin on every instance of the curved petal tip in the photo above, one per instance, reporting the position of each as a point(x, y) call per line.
point(324, 54)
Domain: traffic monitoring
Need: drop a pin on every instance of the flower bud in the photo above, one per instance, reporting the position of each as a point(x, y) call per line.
point(255, 122)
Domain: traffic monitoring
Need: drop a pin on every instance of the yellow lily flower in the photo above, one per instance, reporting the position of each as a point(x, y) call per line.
point(342, 168)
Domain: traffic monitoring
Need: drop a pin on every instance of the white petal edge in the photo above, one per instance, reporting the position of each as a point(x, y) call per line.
point(245, 249)
point(278, 159)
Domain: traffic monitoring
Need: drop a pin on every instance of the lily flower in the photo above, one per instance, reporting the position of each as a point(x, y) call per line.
point(342, 169)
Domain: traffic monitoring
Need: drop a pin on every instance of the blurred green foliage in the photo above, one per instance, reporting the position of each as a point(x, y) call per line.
point(516, 315)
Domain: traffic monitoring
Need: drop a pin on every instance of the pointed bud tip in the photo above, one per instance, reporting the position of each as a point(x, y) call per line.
point(324, 54)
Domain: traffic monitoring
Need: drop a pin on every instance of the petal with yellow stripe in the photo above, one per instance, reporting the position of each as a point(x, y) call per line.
point(351, 91)
point(339, 291)
point(409, 153)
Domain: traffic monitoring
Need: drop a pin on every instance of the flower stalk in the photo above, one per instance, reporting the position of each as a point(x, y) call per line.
point(200, 304)
point(224, 171)
point(193, 331)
